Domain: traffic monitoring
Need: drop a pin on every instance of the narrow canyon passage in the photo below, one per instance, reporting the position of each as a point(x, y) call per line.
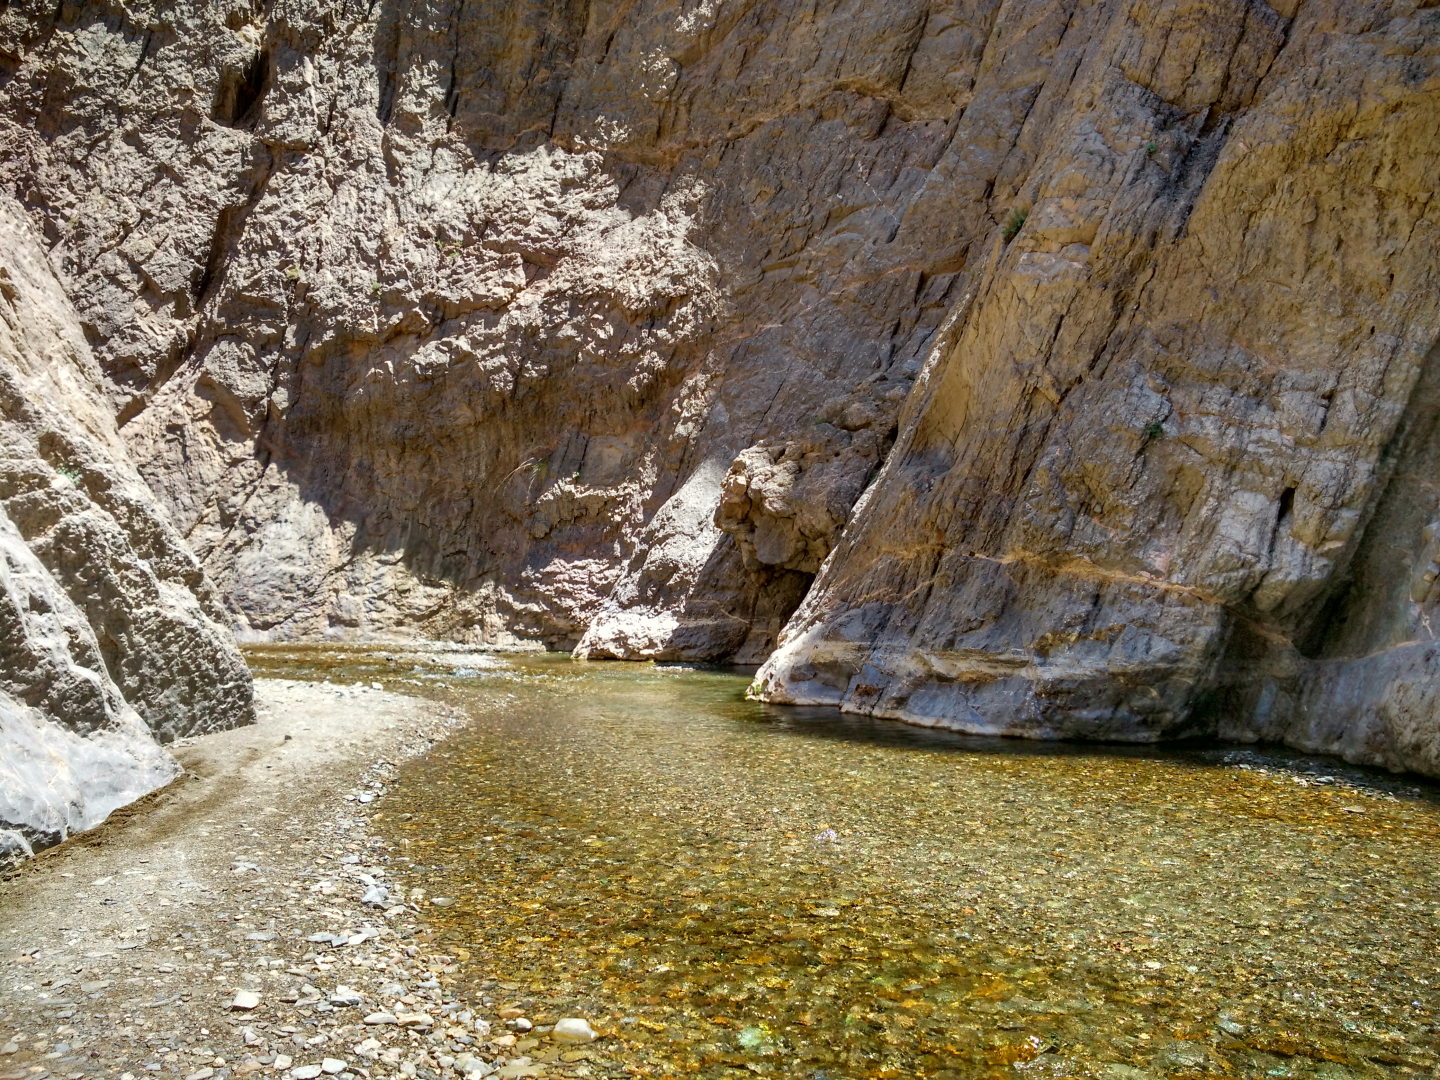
point(727, 888)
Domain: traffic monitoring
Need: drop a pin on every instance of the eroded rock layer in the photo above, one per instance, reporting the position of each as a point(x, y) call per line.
point(111, 638)
point(589, 324)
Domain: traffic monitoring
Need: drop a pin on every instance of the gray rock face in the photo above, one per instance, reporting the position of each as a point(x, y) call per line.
point(110, 636)
point(435, 320)
point(1167, 473)
point(590, 324)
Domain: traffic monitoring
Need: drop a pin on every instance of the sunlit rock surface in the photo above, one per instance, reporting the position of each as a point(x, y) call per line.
point(589, 325)
point(111, 638)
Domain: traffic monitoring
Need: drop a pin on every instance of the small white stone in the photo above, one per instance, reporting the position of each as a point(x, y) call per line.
point(381, 1018)
point(303, 1072)
point(332, 1066)
point(344, 996)
point(414, 1020)
point(283, 1062)
point(201, 1074)
point(376, 896)
point(573, 1029)
point(245, 999)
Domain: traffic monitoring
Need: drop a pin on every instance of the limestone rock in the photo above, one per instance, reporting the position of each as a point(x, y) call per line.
point(573, 1029)
point(1171, 420)
point(1071, 345)
point(109, 633)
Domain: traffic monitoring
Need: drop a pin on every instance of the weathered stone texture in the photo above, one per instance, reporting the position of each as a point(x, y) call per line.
point(1167, 430)
point(110, 635)
point(589, 324)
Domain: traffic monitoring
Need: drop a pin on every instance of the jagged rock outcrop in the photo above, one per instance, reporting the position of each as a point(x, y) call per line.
point(111, 639)
point(589, 324)
point(447, 320)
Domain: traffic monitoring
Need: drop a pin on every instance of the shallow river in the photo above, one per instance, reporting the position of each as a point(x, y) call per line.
point(734, 889)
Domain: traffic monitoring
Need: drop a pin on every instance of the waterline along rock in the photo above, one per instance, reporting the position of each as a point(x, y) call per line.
point(1047, 367)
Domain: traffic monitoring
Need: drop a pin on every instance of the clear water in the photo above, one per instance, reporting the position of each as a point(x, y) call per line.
point(727, 888)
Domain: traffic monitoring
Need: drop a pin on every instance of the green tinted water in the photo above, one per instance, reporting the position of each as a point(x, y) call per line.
point(731, 889)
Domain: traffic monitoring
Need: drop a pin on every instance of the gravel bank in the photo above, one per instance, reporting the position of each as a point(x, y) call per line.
point(244, 921)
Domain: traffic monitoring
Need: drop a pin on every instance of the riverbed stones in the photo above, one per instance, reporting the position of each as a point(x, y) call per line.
point(159, 962)
point(376, 896)
point(245, 1000)
point(303, 1072)
point(573, 1030)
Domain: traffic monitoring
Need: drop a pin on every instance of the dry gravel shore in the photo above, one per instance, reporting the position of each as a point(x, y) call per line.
point(245, 921)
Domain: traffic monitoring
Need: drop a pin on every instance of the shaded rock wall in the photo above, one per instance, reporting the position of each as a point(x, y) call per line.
point(111, 638)
point(589, 324)
point(457, 327)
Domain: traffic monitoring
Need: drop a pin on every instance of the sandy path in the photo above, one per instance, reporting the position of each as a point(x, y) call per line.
point(122, 951)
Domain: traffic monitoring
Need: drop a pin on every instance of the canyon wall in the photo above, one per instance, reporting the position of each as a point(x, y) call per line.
point(1069, 359)
point(1171, 469)
point(111, 639)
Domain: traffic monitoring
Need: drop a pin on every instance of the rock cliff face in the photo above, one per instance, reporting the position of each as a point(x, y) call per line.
point(589, 324)
point(110, 636)
point(1170, 468)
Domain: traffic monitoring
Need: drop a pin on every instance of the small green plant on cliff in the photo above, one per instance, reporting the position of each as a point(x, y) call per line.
point(1014, 223)
point(1156, 430)
point(1151, 146)
point(73, 475)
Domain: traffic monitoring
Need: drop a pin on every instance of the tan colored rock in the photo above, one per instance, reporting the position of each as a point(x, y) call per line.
point(1150, 449)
